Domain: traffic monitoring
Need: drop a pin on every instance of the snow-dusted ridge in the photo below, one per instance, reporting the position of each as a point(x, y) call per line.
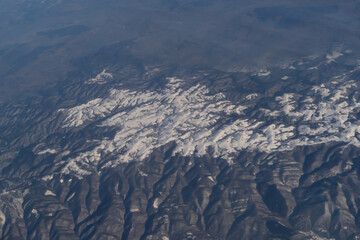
point(148, 120)
point(196, 120)
point(101, 78)
point(51, 151)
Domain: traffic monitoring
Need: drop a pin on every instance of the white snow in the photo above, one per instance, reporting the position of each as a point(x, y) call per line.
point(292, 67)
point(142, 173)
point(156, 203)
point(35, 212)
point(288, 104)
point(196, 120)
point(47, 178)
point(313, 236)
point(65, 153)
point(101, 78)
point(51, 151)
point(134, 210)
point(251, 96)
point(151, 119)
point(324, 92)
point(70, 197)
point(264, 73)
point(333, 56)
point(49, 193)
point(314, 68)
point(2, 218)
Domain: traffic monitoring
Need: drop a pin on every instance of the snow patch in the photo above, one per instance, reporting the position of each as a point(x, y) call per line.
point(134, 210)
point(251, 96)
point(48, 178)
point(49, 193)
point(65, 153)
point(142, 173)
point(101, 78)
point(313, 236)
point(156, 203)
point(2, 218)
point(70, 197)
point(264, 73)
point(51, 151)
point(333, 56)
point(35, 212)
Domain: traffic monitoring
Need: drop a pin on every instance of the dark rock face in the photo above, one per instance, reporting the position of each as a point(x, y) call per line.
point(193, 198)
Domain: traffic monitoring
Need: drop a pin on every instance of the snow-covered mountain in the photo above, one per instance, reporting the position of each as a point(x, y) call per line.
point(196, 121)
point(151, 153)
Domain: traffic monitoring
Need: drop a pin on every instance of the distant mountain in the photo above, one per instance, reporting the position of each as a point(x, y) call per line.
point(45, 42)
